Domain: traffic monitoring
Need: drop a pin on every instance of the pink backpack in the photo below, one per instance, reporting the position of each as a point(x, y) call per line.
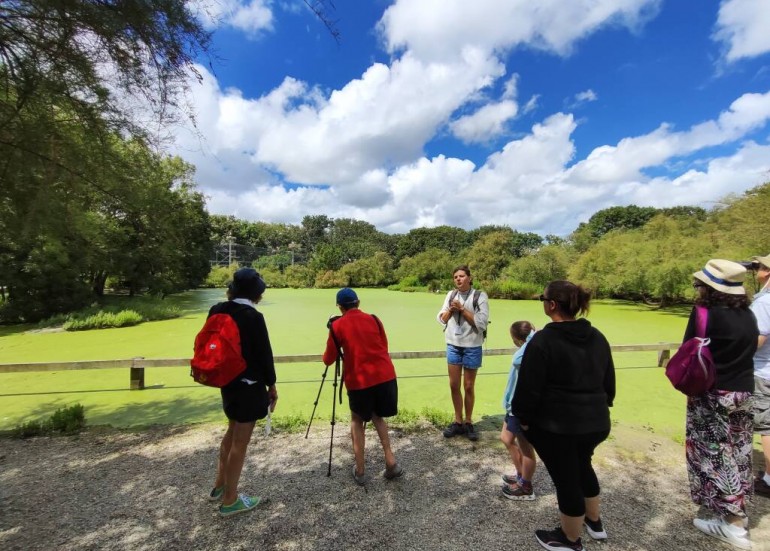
point(691, 370)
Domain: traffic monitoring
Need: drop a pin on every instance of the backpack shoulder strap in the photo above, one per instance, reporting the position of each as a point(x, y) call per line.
point(476, 295)
point(379, 323)
point(701, 320)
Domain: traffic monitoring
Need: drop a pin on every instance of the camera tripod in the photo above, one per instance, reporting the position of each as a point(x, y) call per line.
point(337, 376)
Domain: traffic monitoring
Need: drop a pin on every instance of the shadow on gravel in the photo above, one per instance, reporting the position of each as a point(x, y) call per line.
point(147, 490)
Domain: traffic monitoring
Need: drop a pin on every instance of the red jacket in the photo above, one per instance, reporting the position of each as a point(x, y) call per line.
point(364, 345)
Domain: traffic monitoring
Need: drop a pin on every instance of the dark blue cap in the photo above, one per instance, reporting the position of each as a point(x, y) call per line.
point(247, 283)
point(347, 297)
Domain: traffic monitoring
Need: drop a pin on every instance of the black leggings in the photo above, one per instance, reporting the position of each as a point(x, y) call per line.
point(567, 457)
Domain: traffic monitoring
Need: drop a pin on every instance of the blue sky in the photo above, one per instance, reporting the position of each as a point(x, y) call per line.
point(529, 114)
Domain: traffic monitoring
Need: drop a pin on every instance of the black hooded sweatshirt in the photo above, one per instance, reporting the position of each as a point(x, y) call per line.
point(566, 382)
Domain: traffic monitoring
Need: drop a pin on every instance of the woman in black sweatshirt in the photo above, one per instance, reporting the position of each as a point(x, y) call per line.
point(565, 389)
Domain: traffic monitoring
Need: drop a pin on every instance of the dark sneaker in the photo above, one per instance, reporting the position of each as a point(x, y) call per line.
point(453, 430)
point(360, 479)
point(761, 488)
point(519, 492)
point(595, 529)
point(470, 432)
point(555, 540)
point(511, 479)
point(393, 472)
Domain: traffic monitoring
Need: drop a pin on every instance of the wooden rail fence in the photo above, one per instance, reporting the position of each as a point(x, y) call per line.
point(137, 365)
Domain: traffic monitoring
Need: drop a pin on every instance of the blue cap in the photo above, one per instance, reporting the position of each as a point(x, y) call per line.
point(347, 297)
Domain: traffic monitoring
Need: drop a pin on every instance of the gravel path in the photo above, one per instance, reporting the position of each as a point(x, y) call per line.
point(146, 490)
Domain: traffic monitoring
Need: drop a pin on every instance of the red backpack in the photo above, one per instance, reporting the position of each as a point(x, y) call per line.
point(217, 358)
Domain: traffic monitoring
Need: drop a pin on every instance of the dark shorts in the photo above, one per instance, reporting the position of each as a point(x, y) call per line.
point(512, 424)
point(380, 400)
point(244, 403)
point(762, 406)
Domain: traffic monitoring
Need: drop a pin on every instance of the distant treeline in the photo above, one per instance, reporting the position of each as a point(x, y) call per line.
point(631, 252)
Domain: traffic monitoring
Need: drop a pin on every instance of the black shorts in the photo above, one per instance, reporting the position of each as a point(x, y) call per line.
point(244, 403)
point(381, 400)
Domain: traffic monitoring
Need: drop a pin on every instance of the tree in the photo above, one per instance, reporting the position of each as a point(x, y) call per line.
point(418, 240)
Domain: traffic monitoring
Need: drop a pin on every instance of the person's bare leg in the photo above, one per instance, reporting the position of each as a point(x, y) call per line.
point(224, 451)
point(359, 442)
point(572, 526)
point(382, 431)
point(766, 450)
point(528, 458)
point(509, 439)
point(241, 435)
point(469, 384)
point(455, 376)
point(592, 508)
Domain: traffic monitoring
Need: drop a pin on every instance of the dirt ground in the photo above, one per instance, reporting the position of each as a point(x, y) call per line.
point(147, 490)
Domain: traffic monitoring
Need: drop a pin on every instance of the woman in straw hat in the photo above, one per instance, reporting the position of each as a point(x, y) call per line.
point(719, 421)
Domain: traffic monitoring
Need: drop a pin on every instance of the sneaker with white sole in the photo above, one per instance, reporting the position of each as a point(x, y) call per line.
point(359, 478)
point(595, 529)
point(243, 504)
point(217, 493)
point(556, 540)
point(518, 492)
point(722, 530)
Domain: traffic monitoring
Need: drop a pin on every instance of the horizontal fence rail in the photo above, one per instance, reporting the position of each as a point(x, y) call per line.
point(138, 365)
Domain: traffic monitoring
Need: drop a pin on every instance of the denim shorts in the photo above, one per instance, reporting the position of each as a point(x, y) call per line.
point(512, 424)
point(469, 357)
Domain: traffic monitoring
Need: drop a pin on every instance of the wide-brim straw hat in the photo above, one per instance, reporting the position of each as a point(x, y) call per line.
point(723, 275)
point(764, 260)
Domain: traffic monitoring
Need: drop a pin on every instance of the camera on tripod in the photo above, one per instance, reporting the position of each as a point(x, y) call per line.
point(332, 319)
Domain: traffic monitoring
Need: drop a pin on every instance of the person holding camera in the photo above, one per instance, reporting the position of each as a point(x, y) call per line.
point(369, 377)
point(250, 395)
point(464, 315)
point(761, 308)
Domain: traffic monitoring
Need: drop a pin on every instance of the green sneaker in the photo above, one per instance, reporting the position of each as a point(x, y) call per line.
point(242, 505)
point(217, 493)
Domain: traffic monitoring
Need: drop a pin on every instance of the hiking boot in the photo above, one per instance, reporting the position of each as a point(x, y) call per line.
point(217, 493)
point(555, 540)
point(722, 530)
point(393, 472)
point(359, 478)
point(595, 529)
point(453, 430)
point(511, 479)
point(470, 432)
point(243, 504)
point(761, 488)
point(519, 492)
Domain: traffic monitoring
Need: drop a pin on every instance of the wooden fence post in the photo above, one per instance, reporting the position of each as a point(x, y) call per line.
point(137, 373)
point(663, 357)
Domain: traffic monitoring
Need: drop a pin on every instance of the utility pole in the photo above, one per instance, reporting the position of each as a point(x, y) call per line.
point(230, 241)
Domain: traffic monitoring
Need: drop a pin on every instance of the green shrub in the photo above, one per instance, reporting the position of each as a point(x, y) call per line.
point(68, 420)
point(437, 417)
point(102, 320)
point(220, 276)
point(512, 289)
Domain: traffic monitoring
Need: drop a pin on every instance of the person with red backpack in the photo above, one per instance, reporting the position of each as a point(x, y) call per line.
point(252, 392)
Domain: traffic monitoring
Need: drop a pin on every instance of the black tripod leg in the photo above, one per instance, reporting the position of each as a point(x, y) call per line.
point(334, 410)
point(315, 404)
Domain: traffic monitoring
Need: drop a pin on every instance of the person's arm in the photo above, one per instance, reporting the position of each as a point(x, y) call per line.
point(330, 354)
point(480, 318)
point(446, 311)
point(264, 352)
point(761, 341)
point(609, 378)
point(531, 382)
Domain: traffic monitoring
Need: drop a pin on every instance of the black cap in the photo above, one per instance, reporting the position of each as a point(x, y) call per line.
point(247, 283)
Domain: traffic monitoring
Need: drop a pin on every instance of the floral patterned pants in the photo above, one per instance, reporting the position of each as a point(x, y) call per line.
point(719, 446)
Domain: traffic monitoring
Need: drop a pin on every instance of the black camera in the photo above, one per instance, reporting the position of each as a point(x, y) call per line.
point(332, 319)
point(750, 265)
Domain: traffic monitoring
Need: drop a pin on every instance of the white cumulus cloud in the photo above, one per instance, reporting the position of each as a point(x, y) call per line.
point(744, 28)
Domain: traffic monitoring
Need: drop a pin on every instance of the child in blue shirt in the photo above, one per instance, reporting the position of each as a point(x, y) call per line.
point(519, 485)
